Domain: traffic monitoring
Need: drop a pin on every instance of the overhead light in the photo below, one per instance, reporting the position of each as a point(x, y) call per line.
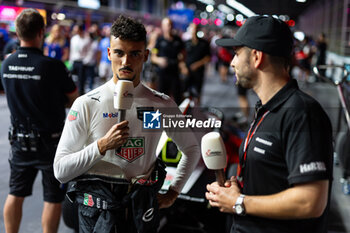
point(203, 15)
point(239, 17)
point(200, 34)
point(225, 9)
point(61, 16)
point(230, 17)
point(299, 35)
point(209, 8)
point(91, 4)
point(208, 2)
point(301, 0)
point(282, 17)
point(240, 7)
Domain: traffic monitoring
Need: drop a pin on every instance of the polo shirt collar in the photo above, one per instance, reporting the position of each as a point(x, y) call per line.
point(278, 99)
point(30, 49)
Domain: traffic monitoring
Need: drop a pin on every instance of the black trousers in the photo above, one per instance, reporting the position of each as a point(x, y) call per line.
point(169, 83)
point(78, 69)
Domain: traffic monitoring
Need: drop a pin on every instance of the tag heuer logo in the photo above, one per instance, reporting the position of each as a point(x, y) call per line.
point(88, 200)
point(72, 115)
point(132, 149)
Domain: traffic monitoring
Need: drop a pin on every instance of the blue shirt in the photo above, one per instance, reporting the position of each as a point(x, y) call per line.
point(103, 45)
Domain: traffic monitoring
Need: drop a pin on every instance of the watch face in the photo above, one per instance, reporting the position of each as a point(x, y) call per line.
point(239, 209)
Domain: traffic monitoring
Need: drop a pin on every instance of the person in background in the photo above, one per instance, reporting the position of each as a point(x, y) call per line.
point(197, 56)
point(4, 38)
point(90, 59)
point(243, 102)
point(104, 67)
point(10, 47)
point(78, 49)
point(304, 54)
point(13, 43)
point(56, 45)
point(225, 55)
point(169, 54)
point(38, 88)
point(284, 177)
point(150, 72)
point(321, 52)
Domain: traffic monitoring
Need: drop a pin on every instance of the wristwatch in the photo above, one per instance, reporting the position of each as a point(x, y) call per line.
point(239, 205)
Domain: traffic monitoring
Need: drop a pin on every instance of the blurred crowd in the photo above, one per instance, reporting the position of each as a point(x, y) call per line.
point(309, 52)
point(178, 59)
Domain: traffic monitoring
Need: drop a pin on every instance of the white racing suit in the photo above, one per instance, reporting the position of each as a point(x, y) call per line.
point(90, 118)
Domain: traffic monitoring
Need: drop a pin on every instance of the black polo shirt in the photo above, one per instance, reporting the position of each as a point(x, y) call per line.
point(292, 145)
point(196, 52)
point(169, 49)
point(35, 87)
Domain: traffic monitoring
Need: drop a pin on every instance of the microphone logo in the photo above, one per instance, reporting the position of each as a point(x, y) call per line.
point(207, 153)
point(127, 94)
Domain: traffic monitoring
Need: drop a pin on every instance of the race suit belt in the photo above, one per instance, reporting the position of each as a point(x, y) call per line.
point(120, 179)
point(139, 200)
point(149, 178)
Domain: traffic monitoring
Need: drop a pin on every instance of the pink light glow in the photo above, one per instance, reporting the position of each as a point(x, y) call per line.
point(8, 13)
point(218, 22)
point(204, 21)
point(196, 21)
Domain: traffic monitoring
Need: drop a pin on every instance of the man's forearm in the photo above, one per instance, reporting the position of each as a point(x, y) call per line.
point(299, 202)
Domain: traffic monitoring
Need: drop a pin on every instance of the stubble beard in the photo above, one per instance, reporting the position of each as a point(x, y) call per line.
point(245, 81)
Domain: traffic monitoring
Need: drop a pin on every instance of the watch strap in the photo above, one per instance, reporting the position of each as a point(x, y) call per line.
point(240, 199)
point(239, 205)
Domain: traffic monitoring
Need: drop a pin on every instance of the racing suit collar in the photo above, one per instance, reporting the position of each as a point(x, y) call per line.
point(136, 92)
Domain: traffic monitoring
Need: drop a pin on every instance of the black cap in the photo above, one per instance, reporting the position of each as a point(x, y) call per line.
point(263, 33)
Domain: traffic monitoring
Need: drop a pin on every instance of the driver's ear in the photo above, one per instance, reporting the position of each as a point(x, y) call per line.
point(146, 55)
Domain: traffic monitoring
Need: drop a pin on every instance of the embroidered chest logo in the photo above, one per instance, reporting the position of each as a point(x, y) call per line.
point(132, 149)
point(72, 115)
point(97, 99)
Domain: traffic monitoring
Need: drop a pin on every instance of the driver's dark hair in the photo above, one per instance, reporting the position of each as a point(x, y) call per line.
point(127, 28)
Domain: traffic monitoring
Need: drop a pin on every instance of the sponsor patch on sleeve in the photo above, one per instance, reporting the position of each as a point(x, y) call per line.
point(72, 115)
point(312, 167)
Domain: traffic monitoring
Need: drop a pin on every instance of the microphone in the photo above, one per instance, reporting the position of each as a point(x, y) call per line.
point(214, 155)
point(123, 97)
